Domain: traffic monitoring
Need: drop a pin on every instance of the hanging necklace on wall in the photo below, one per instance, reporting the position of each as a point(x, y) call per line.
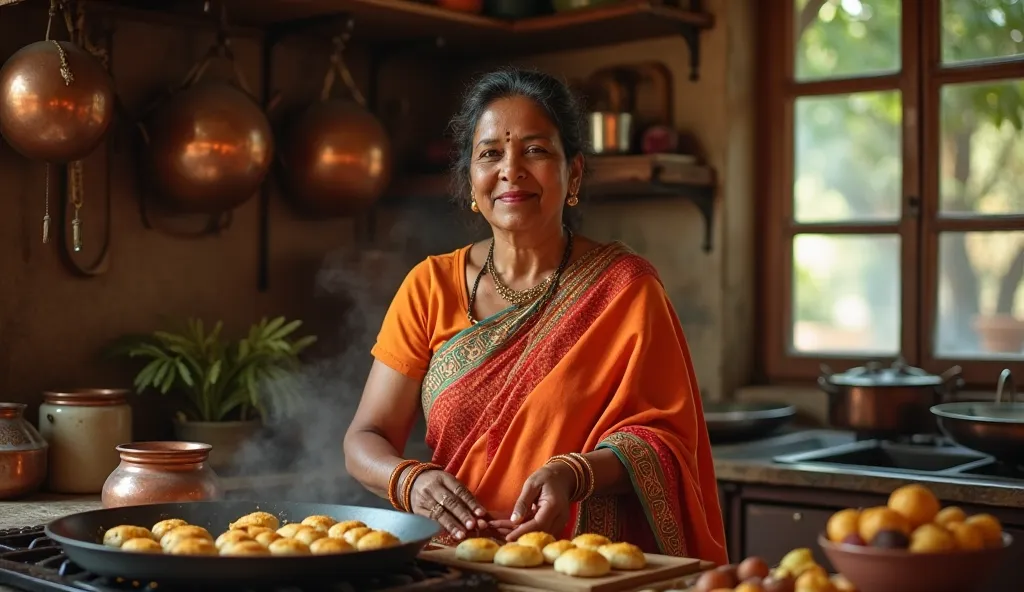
point(514, 297)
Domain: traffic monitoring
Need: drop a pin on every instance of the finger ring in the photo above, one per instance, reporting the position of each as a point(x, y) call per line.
point(444, 500)
point(436, 511)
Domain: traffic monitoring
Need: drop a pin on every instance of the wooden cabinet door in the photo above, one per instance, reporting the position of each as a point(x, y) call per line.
point(771, 530)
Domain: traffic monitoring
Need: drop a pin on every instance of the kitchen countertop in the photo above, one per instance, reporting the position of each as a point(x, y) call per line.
point(752, 463)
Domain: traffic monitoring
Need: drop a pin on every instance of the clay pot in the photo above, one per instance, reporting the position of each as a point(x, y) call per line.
point(159, 472)
point(42, 116)
point(23, 453)
point(337, 159)
point(210, 147)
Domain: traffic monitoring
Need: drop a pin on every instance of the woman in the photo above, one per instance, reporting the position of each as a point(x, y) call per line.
point(552, 370)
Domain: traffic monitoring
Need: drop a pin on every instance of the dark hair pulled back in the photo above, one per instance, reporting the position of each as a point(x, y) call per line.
point(551, 94)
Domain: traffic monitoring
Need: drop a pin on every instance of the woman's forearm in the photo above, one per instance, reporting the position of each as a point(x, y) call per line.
point(371, 459)
point(610, 477)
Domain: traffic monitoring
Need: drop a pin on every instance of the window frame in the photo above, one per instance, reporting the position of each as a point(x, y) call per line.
point(919, 81)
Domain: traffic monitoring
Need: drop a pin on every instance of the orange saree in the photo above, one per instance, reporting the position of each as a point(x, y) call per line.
point(602, 364)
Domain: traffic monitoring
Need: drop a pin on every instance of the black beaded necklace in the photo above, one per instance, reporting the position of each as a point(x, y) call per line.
point(490, 258)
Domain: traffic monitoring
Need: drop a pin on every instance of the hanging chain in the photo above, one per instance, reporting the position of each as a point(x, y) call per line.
point(339, 68)
point(76, 189)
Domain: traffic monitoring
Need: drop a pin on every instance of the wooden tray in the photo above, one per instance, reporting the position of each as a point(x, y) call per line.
point(659, 568)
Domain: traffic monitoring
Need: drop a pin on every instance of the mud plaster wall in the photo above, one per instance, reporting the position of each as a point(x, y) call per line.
point(52, 324)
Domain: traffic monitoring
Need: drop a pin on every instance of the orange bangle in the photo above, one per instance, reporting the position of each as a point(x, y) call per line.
point(393, 482)
point(410, 479)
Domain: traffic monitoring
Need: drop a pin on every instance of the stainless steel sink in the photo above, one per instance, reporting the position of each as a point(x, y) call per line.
point(786, 444)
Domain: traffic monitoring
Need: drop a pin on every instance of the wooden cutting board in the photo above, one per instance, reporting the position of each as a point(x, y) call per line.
point(659, 568)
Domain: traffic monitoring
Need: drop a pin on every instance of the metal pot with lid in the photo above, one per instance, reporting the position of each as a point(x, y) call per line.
point(884, 400)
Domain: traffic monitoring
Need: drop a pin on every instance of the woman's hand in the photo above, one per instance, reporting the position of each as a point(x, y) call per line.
point(439, 496)
point(545, 500)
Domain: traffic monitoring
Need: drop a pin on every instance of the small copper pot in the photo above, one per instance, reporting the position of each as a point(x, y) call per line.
point(23, 453)
point(159, 472)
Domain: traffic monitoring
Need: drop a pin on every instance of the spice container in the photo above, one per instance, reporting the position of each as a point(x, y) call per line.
point(159, 472)
point(83, 428)
point(22, 453)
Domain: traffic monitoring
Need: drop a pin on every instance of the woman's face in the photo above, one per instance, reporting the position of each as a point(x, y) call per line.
point(519, 175)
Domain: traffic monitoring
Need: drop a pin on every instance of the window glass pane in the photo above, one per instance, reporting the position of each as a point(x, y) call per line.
point(848, 161)
point(846, 294)
point(846, 38)
point(981, 303)
point(981, 163)
point(982, 29)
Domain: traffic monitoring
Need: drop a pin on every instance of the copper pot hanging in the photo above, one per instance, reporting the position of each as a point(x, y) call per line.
point(56, 101)
point(210, 145)
point(336, 156)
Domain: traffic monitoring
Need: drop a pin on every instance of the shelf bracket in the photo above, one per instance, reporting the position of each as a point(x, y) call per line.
point(703, 197)
point(691, 35)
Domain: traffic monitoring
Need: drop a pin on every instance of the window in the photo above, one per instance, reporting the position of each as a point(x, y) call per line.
point(893, 212)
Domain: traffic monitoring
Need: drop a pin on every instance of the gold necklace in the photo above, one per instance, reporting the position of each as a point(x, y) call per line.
point(519, 297)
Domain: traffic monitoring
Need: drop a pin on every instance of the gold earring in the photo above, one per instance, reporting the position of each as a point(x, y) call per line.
point(574, 199)
point(474, 207)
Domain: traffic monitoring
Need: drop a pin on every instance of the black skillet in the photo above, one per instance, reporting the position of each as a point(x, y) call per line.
point(81, 537)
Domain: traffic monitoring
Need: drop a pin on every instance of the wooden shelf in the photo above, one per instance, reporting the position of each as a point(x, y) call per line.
point(611, 179)
point(407, 25)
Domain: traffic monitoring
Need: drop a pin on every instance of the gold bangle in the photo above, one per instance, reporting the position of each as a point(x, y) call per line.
point(591, 481)
point(393, 482)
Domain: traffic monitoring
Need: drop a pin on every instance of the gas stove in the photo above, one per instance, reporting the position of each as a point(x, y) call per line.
point(926, 455)
point(31, 561)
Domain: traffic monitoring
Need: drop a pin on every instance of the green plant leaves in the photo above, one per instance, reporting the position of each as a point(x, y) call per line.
point(217, 378)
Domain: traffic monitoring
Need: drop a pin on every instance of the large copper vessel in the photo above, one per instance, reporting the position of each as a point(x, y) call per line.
point(23, 453)
point(56, 102)
point(157, 472)
point(210, 147)
point(336, 159)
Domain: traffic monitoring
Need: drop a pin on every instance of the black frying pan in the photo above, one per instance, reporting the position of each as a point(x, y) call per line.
point(81, 536)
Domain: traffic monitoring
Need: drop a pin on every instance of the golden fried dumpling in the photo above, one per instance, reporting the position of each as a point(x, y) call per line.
point(625, 556)
point(255, 530)
point(590, 541)
point(377, 539)
point(536, 539)
point(352, 536)
point(308, 534)
point(231, 536)
point(582, 563)
point(289, 530)
point(164, 526)
point(319, 522)
point(338, 530)
point(327, 545)
point(115, 537)
point(188, 531)
point(286, 546)
point(142, 545)
point(516, 555)
point(477, 550)
point(243, 548)
point(257, 519)
point(192, 546)
point(551, 551)
point(266, 537)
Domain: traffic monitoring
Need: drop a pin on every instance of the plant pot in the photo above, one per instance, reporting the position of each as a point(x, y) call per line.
point(1000, 333)
point(226, 437)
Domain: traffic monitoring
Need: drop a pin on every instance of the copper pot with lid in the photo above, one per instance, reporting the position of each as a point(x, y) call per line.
point(159, 472)
point(881, 400)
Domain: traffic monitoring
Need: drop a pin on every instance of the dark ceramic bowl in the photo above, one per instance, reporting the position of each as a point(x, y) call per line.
point(895, 570)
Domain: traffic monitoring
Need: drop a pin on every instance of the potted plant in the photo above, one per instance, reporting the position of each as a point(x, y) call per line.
point(228, 389)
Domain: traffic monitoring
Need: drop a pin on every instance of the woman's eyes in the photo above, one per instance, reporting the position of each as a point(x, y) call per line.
point(497, 153)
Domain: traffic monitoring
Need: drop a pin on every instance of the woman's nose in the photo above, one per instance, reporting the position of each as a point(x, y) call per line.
point(511, 167)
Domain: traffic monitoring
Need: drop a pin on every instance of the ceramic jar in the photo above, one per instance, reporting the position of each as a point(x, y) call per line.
point(83, 428)
point(159, 472)
point(22, 453)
